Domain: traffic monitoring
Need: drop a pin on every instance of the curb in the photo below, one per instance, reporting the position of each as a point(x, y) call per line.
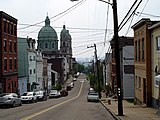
point(111, 112)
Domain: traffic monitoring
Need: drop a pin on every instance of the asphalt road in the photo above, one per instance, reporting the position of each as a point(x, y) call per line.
point(72, 107)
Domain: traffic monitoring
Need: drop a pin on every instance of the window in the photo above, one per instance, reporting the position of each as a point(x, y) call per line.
point(40, 45)
point(34, 58)
point(5, 24)
point(46, 45)
point(139, 51)
point(30, 58)
point(136, 51)
point(15, 64)
point(143, 50)
point(15, 47)
point(8, 28)
point(158, 43)
point(10, 64)
point(15, 30)
point(52, 45)
point(11, 29)
point(30, 71)
point(8, 85)
point(10, 46)
point(128, 69)
point(34, 70)
point(64, 44)
point(5, 64)
point(5, 45)
point(139, 82)
point(15, 84)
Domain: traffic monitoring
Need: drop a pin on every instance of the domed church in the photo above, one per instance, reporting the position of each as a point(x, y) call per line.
point(47, 37)
point(61, 59)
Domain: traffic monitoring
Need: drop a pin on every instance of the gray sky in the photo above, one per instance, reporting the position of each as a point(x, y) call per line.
point(86, 23)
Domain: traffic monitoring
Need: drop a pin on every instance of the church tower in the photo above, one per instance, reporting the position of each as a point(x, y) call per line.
point(66, 46)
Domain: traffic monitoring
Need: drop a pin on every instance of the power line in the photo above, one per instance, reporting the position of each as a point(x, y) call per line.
point(77, 4)
point(130, 16)
point(128, 12)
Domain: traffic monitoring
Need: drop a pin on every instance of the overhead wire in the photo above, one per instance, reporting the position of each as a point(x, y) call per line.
point(143, 9)
point(128, 12)
point(77, 4)
point(130, 16)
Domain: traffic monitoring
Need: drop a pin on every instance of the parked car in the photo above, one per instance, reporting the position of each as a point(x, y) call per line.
point(92, 96)
point(54, 94)
point(68, 87)
point(29, 97)
point(72, 84)
point(64, 93)
point(41, 95)
point(10, 99)
point(74, 79)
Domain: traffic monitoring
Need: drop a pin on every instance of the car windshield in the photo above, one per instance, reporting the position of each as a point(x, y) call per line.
point(54, 91)
point(39, 93)
point(4, 94)
point(27, 94)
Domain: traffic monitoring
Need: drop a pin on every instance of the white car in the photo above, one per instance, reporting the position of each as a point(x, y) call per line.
point(54, 94)
point(29, 97)
point(92, 96)
point(41, 95)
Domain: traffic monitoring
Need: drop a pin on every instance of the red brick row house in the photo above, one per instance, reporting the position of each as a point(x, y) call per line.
point(8, 53)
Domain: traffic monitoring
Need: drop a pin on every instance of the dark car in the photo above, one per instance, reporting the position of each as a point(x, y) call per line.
point(64, 93)
point(10, 99)
point(68, 87)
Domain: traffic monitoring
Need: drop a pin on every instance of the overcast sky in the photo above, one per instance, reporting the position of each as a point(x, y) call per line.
point(86, 22)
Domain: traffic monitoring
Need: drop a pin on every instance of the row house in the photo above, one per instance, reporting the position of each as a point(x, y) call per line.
point(143, 61)
point(155, 63)
point(8, 53)
point(33, 67)
point(27, 64)
point(126, 51)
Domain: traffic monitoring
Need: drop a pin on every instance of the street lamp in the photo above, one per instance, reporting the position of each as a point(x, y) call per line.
point(117, 56)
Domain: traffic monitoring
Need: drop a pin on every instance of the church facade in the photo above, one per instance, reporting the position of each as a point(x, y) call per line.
point(60, 59)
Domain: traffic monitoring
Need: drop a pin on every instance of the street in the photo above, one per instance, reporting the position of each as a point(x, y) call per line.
point(72, 107)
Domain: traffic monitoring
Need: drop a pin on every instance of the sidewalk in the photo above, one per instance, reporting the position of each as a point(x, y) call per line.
point(130, 111)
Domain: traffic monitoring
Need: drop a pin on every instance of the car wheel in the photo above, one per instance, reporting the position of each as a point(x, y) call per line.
point(14, 104)
point(20, 104)
point(33, 100)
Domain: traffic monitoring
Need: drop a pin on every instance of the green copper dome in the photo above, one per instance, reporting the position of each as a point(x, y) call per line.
point(47, 37)
point(47, 31)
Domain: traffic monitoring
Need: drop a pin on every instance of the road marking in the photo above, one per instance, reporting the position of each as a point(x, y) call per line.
point(45, 110)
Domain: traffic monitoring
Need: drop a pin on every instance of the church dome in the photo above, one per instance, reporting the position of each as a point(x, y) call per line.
point(47, 31)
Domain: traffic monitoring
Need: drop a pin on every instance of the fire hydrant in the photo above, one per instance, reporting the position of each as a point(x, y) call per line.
point(109, 101)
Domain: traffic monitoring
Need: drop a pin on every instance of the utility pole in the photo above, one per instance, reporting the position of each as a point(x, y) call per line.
point(97, 64)
point(117, 57)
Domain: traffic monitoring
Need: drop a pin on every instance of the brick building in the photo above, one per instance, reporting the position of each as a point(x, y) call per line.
point(8, 53)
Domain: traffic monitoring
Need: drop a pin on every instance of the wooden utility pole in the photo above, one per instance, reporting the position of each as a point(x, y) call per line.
point(117, 57)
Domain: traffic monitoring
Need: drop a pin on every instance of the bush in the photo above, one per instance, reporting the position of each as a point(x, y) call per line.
point(57, 87)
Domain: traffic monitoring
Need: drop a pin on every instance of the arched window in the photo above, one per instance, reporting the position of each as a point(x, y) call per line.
point(52, 45)
point(46, 45)
point(64, 44)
